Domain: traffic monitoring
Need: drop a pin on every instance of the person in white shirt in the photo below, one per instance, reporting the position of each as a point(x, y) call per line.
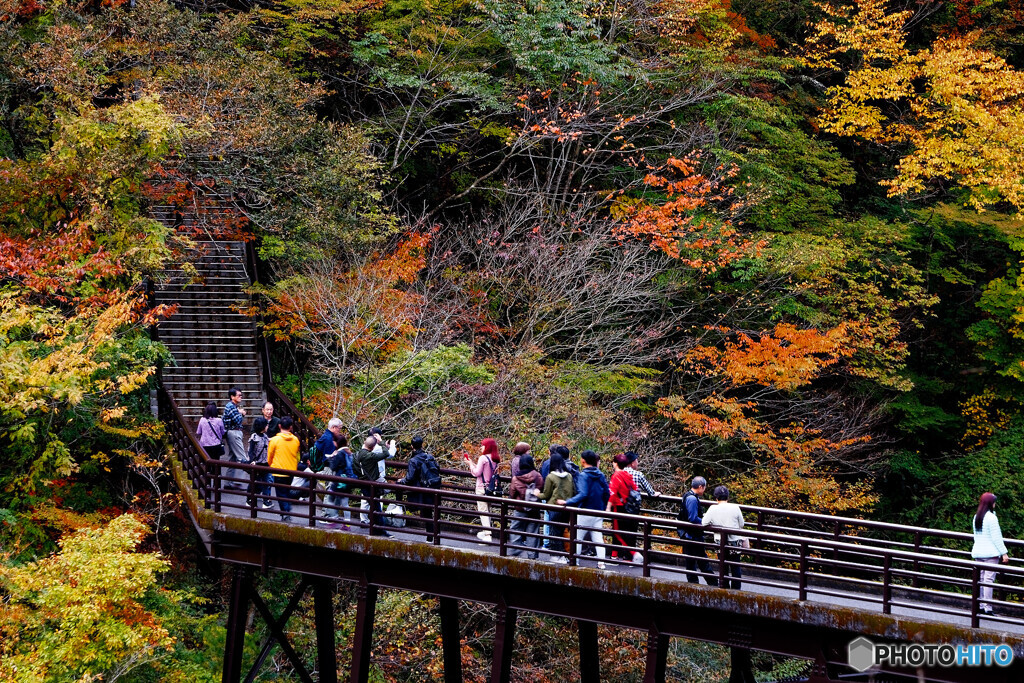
point(989, 546)
point(726, 515)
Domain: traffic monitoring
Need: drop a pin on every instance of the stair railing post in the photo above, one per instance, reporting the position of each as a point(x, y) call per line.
point(975, 596)
point(887, 584)
point(722, 543)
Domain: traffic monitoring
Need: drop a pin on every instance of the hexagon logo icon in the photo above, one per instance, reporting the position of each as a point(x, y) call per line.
point(861, 652)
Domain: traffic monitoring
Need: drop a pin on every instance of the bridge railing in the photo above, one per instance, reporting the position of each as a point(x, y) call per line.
point(781, 560)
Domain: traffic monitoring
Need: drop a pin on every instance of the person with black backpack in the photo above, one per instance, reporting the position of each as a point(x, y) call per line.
point(526, 485)
point(624, 498)
point(422, 471)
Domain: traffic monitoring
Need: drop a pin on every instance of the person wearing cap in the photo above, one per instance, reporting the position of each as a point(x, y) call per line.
point(638, 477)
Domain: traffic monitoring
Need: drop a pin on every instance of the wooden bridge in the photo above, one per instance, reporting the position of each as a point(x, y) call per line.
point(812, 583)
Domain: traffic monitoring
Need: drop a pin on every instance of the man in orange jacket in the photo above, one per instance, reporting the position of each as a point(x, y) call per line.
point(283, 453)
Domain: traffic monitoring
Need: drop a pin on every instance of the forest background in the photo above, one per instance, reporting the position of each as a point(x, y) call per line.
point(774, 243)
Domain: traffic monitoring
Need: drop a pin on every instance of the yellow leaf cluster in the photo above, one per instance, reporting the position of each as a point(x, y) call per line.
point(959, 108)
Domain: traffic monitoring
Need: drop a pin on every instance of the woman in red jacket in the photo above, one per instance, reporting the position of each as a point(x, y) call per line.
point(621, 484)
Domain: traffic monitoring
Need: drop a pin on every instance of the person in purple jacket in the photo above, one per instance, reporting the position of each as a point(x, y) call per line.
point(211, 431)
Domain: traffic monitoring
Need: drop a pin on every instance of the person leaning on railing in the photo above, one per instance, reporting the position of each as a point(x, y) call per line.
point(726, 515)
point(988, 546)
point(558, 488)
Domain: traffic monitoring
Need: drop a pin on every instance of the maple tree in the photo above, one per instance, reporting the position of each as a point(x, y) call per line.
point(962, 103)
point(794, 464)
point(86, 612)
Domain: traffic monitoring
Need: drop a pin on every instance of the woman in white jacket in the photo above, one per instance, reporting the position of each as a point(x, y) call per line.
point(988, 546)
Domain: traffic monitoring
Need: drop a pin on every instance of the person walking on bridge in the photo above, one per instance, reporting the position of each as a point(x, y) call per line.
point(726, 515)
point(259, 442)
point(592, 494)
point(283, 454)
point(273, 422)
point(695, 553)
point(485, 469)
point(988, 546)
point(234, 416)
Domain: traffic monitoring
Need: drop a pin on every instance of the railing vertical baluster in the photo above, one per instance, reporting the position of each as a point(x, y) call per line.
point(648, 528)
point(436, 514)
point(917, 564)
point(803, 571)
point(370, 516)
point(975, 596)
point(503, 528)
point(887, 584)
point(251, 498)
point(311, 484)
point(836, 531)
point(572, 538)
point(722, 542)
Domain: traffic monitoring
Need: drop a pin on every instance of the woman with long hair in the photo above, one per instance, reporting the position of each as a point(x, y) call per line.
point(211, 431)
point(484, 469)
point(988, 546)
point(558, 488)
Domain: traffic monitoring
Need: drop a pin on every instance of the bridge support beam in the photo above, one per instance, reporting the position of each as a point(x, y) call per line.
point(451, 639)
point(323, 614)
point(504, 640)
point(657, 656)
point(742, 666)
point(366, 610)
point(590, 662)
point(238, 611)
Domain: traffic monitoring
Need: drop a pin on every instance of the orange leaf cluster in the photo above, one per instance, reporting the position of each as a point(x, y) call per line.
point(694, 224)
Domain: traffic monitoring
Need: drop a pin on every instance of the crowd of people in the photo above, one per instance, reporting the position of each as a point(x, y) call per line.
point(558, 481)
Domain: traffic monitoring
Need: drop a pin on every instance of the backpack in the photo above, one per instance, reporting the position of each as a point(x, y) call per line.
point(430, 473)
point(493, 486)
point(315, 460)
point(530, 496)
point(633, 503)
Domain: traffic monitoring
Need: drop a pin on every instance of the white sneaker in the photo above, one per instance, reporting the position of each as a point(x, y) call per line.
point(601, 565)
point(484, 535)
point(638, 558)
point(560, 560)
point(267, 505)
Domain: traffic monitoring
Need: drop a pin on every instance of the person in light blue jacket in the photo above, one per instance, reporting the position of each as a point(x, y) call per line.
point(988, 546)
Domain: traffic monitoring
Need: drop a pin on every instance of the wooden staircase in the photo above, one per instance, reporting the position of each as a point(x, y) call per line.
point(213, 345)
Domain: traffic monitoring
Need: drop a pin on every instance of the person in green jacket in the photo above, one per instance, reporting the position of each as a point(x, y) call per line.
point(558, 488)
point(365, 467)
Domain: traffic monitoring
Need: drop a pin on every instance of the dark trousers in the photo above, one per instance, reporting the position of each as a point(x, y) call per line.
point(284, 492)
point(421, 505)
point(627, 539)
point(524, 524)
point(731, 557)
point(558, 532)
point(261, 488)
point(697, 558)
point(379, 522)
